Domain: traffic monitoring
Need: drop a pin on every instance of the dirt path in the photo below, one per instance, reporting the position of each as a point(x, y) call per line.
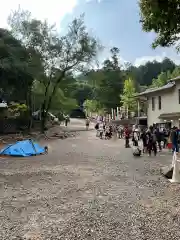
point(87, 188)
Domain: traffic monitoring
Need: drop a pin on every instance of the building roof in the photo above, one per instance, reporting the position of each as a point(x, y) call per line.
point(171, 83)
point(174, 79)
point(169, 115)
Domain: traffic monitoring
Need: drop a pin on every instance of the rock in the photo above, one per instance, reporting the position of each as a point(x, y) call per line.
point(167, 171)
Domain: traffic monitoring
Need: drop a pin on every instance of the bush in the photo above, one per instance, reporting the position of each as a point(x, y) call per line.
point(18, 111)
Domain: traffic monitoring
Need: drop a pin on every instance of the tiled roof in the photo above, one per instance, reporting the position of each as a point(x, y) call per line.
point(171, 83)
point(169, 115)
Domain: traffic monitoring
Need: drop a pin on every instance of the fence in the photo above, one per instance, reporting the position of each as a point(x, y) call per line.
point(8, 126)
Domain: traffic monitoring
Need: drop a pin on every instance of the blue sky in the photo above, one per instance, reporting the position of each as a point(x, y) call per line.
point(114, 22)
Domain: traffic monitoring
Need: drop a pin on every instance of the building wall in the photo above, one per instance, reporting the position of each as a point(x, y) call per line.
point(169, 104)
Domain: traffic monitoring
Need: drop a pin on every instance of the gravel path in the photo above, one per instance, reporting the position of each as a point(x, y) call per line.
point(87, 188)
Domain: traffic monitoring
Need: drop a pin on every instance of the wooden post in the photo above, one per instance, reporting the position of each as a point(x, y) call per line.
point(117, 114)
point(138, 107)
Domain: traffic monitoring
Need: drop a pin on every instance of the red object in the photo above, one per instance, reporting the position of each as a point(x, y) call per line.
point(126, 132)
point(169, 145)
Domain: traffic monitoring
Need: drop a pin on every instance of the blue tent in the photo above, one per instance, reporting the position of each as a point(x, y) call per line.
point(24, 148)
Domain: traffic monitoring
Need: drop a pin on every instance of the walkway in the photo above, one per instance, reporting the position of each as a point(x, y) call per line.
point(87, 188)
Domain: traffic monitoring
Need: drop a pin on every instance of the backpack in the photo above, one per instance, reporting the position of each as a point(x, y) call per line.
point(137, 152)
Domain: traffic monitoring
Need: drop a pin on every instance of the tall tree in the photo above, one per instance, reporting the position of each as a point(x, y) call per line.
point(128, 97)
point(93, 106)
point(109, 83)
point(15, 73)
point(82, 92)
point(60, 55)
point(162, 17)
point(144, 74)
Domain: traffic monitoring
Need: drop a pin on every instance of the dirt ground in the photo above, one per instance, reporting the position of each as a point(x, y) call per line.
point(87, 188)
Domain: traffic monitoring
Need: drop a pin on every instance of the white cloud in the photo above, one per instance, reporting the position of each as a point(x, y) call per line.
point(159, 58)
point(144, 59)
point(53, 10)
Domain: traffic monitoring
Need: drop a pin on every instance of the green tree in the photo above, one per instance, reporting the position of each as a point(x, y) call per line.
point(164, 77)
point(15, 73)
point(82, 92)
point(144, 74)
point(161, 80)
point(176, 72)
point(107, 82)
point(60, 55)
point(93, 106)
point(128, 97)
point(162, 17)
point(60, 103)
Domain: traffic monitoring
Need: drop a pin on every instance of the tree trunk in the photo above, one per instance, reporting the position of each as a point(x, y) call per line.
point(43, 123)
point(47, 101)
point(43, 118)
point(43, 109)
point(30, 122)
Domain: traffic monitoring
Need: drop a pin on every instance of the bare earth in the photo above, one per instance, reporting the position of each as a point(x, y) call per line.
point(87, 188)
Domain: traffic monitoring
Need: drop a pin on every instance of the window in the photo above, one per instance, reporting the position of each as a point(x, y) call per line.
point(153, 103)
point(179, 95)
point(159, 102)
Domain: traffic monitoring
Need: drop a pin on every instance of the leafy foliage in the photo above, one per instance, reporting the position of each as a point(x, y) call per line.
point(14, 70)
point(57, 56)
point(161, 80)
point(53, 72)
point(144, 74)
point(163, 18)
point(107, 83)
point(163, 77)
point(93, 106)
point(128, 96)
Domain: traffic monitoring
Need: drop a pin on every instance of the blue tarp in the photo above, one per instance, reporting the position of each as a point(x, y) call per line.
point(23, 148)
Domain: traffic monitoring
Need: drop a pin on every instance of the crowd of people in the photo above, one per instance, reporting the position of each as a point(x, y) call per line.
point(165, 138)
point(105, 130)
point(153, 139)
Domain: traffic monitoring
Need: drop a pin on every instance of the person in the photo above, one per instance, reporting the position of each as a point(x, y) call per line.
point(143, 137)
point(114, 132)
point(66, 121)
point(120, 131)
point(110, 131)
point(135, 138)
point(151, 145)
point(174, 139)
point(97, 128)
point(104, 126)
point(165, 137)
point(127, 136)
point(101, 131)
point(159, 138)
point(87, 123)
point(169, 141)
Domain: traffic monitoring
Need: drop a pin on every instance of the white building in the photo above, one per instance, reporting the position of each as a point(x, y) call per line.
point(163, 104)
